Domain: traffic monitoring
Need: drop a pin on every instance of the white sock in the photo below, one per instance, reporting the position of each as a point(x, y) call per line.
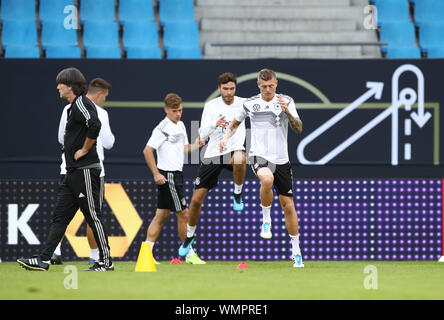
point(94, 254)
point(238, 188)
point(58, 250)
point(295, 244)
point(151, 244)
point(190, 253)
point(190, 231)
point(266, 214)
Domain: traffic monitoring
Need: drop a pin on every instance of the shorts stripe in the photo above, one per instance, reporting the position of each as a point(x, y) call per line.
point(174, 192)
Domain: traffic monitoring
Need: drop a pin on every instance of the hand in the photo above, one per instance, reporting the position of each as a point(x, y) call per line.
point(80, 153)
point(222, 122)
point(283, 104)
point(159, 179)
point(199, 142)
point(223, 145)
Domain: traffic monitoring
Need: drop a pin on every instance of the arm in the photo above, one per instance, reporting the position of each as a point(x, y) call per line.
point(87, 145)
point(148, 153)
point(198, 143)
point(293, 118)
point(62, 125)
point(87, 114)
point(229, 132)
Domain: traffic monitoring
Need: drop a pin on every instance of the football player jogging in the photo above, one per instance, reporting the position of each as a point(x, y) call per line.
point(170, 141)
point(270, 114)
point(98, 91)
point(81, 186)
point(216, 116)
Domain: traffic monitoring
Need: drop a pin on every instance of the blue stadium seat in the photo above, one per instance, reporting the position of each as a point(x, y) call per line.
point(54, 10)
point(55, 34)
point(429, 11)
point(176, 11)
point(100, 34)
point(181, 34)
point(431, 35)
point(136, 10)
point(144, 53)
point(17, 10)
point(97, 10)
point(398, 34)
point(22, 52)
point(407, 52)
point(63, 52)
point(184, 53)
point(393, 11)
point(437, 52)
point(140, 34)
point(103, 52)
point(19, 33)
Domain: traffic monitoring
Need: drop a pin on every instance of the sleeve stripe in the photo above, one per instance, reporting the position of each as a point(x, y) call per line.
point(82, 108)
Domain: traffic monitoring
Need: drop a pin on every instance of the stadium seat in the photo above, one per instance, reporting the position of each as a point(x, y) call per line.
point(100, 34)
point(181, 34)
point(19, 33)
point(55, 34)
point(63, 52)
point(136, 10)
point(144, 53)
point(140, 34)
point(429, 11)
point(103, 52)
point(22, 52)
point(97, 10)
point(54, 10)
point(437, 52)
point(407, 52)
point(17, 10)
point(176, 11)
point(184, 53)
point(398, 34)
point(431, 35)
point(393, 11)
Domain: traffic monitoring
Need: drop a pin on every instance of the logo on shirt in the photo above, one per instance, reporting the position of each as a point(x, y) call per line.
point(256, 107)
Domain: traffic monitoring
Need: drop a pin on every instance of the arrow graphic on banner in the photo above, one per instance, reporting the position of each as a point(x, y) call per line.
point(375, 89)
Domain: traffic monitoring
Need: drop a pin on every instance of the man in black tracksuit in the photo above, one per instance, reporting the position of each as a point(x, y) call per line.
point(81, 185)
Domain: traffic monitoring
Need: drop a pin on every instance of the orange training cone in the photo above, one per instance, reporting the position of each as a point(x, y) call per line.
point(242, 265)
point(176, 261)
point(145, 261)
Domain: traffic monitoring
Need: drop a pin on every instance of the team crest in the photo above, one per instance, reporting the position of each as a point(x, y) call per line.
point(197, 181)
point(184, 202)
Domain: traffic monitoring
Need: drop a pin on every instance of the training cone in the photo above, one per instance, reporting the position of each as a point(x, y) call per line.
point(242, 265)
point(175, 261)
point(145, 261)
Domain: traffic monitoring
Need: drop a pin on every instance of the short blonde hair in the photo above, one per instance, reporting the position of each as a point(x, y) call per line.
point(172, 100)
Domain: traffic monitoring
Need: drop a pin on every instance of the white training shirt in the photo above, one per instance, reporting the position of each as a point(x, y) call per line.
point(104, 140)
point(169, 140)
point(214, 110)
point(269, 127)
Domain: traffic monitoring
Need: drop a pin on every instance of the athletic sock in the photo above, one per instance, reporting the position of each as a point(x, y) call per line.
point(190, 231)
point(238, 188)
point(266, 214)
point(152, 243)
point(58, 250)
point(94, 254)
point(295, 244)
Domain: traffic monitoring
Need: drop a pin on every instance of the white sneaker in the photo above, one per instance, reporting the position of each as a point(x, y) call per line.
point(266, 230)
point(297, 259)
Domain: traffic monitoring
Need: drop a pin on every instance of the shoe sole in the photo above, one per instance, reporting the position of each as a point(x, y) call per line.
point(300, 267)
point(266, 238)
point(25, 266)
point(189, 262)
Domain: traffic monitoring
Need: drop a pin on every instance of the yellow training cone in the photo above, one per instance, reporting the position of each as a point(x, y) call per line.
point(145, 261)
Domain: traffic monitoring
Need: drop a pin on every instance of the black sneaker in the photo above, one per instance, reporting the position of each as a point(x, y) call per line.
point(56, 259)
point(33, 264)
point(100, 267)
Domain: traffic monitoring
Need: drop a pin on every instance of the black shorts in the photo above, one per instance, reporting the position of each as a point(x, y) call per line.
point(283, 175)
point(170, 195)
point(210, 168)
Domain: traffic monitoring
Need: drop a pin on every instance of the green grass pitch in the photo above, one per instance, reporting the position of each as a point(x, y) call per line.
point(221, 280)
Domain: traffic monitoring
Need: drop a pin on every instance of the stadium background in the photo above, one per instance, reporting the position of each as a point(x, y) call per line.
point(357, 207)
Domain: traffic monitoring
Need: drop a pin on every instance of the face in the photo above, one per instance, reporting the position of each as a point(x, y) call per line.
point(267, 88)
point(227, 92)
point(101, 96)
point(174, 114)
point(64, 91)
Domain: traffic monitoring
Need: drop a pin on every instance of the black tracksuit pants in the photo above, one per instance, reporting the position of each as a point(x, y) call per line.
point(82, 189)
